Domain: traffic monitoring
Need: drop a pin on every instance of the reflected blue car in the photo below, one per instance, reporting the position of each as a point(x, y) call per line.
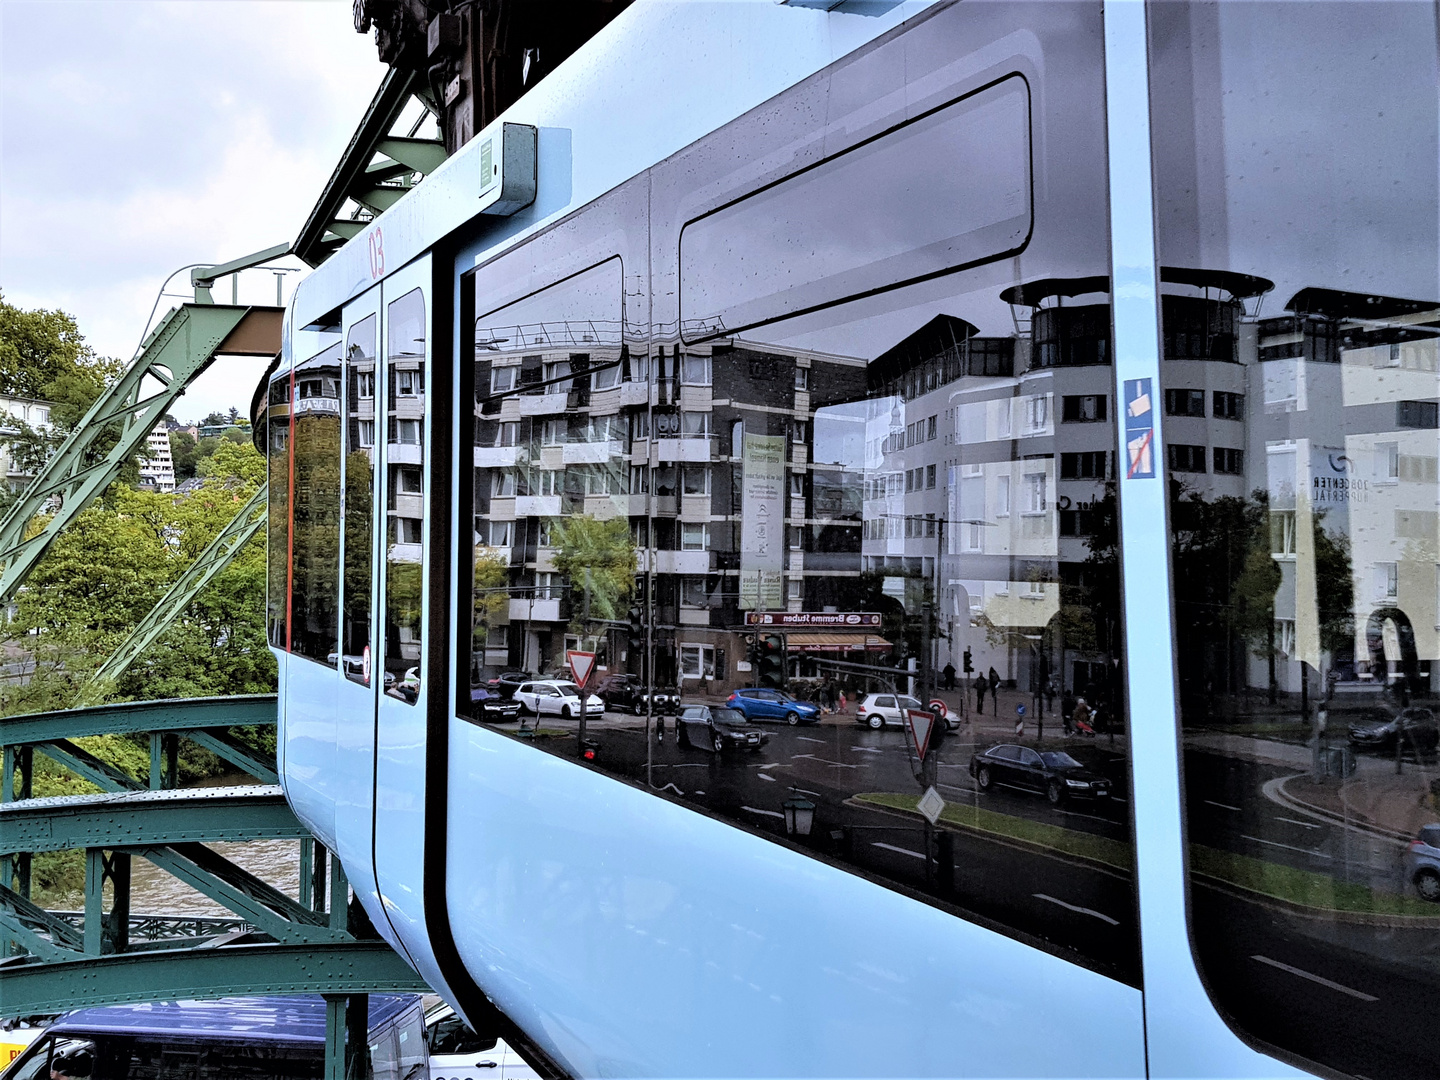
point(773, 705)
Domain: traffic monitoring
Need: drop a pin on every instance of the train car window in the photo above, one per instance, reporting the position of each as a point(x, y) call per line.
point(405, 355)
point(315, 511)
point(552, 473)
point(277, 525)
point(360, 480)
point(801, 635)
point(961, 169)
point(1297, 208)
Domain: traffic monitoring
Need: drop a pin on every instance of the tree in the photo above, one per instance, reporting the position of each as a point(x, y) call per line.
point(491, 598)
point(215, 419)
point(108, 569)
point(185, 453)
point(36, 348)
point(598, 560)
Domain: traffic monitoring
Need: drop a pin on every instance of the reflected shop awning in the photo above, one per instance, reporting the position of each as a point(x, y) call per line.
point(836, 643)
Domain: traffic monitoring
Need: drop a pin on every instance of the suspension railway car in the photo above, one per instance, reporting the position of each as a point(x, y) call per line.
point(1086, 348)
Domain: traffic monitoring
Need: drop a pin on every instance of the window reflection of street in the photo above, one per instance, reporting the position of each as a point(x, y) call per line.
point(721, 445)
point(1301, 425)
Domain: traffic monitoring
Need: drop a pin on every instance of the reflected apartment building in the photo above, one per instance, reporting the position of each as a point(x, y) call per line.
point(974, 469)
point(571, 420)
point(1347, 434)
point(996, 456)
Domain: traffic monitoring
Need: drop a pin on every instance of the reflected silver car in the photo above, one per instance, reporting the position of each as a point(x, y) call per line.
point(1422, 863)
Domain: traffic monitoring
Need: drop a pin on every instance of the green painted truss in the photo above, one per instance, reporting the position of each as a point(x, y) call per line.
point(313, 942)
point(181, 347)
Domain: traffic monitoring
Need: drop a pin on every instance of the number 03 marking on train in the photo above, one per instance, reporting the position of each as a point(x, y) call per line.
point(377, 254)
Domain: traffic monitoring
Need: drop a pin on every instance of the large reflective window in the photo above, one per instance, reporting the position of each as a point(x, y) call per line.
point(863, 464)
point(359, 498)
point(405, 512)
point(1296, 165)
point(315, 513)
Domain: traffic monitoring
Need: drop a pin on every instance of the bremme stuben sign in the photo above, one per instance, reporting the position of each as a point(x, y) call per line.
point(829, 619)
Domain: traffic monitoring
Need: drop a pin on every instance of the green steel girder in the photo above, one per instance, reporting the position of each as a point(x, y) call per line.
point(181, 347)
point(236, 753)
point(134, 717)
point(263, 906)
point(326, 230)
point(105, 777)
point(351, 967)
point(147, 818)
point(203, 277)
point(36, 929)
point(376, 198)
point(218, 554)
point(418, 155)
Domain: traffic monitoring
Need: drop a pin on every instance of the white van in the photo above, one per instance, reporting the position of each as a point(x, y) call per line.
point(457, 1053)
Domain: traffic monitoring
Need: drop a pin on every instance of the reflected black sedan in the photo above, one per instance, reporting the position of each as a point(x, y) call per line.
point(493, 708)
point(711, 727)
point(1377, 731)
point(1053, 772)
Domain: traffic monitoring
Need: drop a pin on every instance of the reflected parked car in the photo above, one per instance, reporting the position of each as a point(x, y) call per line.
point(493, 708)
point(507, 682)
point(555, 698)
point(626, 693)
point(1422, 863)
point(763, 704)
point(1053, 772)
point(888, 710)
point(1378, 731)
point(716, 728)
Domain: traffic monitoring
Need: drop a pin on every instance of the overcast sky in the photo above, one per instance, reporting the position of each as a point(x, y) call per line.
point(138, 137)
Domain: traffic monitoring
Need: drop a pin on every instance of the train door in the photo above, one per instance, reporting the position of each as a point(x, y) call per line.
point(398, 665)
point(310, 460)
point(359, 645)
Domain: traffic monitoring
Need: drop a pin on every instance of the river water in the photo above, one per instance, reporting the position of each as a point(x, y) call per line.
point(154, 892)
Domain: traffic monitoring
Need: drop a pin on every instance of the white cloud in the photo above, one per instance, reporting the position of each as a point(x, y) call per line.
point(141, 137)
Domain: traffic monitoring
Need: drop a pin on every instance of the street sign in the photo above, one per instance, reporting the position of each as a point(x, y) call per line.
point(931, 804)
point(919, 724)
point(581, 664)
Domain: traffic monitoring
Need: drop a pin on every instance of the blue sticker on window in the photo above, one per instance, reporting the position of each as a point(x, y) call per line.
point(1139, 430)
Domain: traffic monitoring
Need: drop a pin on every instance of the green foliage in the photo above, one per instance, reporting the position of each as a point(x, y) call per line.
point(492, 597)
point(107, 570)
point(598, 560)
point(37, 347)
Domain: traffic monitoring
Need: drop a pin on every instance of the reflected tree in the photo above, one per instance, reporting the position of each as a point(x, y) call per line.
point(597, 559)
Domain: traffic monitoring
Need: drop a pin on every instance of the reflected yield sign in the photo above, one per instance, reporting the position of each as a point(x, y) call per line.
point(581, 664)
point(919, 724)
point(930, 805)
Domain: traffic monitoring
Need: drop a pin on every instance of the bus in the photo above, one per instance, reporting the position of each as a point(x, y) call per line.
point(240, 1038)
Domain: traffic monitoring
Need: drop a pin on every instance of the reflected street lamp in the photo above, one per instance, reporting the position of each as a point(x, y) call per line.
point(799, 816)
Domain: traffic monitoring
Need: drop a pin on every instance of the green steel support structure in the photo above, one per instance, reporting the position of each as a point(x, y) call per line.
point(181, 347)
point(218, 554)
point(275, 943)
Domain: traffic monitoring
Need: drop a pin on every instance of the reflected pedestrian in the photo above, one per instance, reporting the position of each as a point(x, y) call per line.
point(994, 692)
point(1067, 708)
point(980, 687)
point(842, 703)
point(949, 673)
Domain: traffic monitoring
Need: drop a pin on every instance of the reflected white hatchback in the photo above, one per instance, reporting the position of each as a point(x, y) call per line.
point(555, 697)
point(881, 710)
point(457, 1053)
